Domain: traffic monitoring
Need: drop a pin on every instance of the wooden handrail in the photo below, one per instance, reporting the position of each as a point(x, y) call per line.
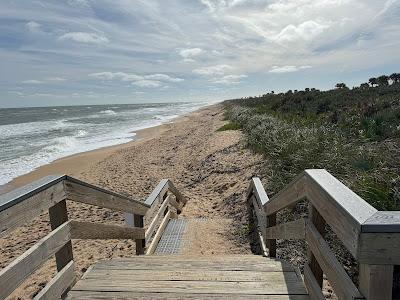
point(371, 236)
point(50, 193)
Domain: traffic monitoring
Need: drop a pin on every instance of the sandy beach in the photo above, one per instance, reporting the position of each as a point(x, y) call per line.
point(211, 168)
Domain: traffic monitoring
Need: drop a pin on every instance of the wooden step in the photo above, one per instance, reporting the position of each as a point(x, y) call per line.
point(177, 277)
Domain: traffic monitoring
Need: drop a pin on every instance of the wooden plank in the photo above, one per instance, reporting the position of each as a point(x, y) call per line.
point(259, 191)
point(152, 227)
point(158, 234)
point(91, 231)
point(63, 280)
point(193, 264)
point(287, 231)
point(18, 195)
point(28, 209)
point(379, 248)
point(337, 276)
point(140, 242)
point(58, 215)
point(341, 208)
point(177, 205)
point(14, 274)
point(313, 287)
point(277, 285)
point(189, 275)
point(271, 243)
point(175, 191)
point(319, 223)
point(100, 295)
point(292, 193)
point(157, 193)
point(382, 221)
point(376, 281)
point(92, 195)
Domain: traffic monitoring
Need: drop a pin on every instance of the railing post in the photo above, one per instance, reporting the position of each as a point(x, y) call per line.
point(376, 281)
point(138, 221)
point(271, 244)
point(58, 215)
point(319, 224)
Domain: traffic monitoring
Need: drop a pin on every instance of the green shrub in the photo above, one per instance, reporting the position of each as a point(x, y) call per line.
point(230, 126)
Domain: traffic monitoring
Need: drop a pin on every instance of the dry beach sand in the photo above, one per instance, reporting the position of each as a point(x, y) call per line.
point(212, 169)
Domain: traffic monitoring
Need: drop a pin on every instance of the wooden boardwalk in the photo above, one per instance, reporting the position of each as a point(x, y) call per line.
point(180, 277)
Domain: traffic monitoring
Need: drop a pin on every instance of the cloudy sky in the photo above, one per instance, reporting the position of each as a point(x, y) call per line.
point(59, 52)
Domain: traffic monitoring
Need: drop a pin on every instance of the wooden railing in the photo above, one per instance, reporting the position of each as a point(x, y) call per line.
point(50, 193)
point(371, 236)
point(168, 202)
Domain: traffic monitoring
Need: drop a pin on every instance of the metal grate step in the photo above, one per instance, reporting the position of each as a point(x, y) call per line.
point(171, 240)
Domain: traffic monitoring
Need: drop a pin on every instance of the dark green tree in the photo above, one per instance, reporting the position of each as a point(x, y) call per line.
point(395, 77)
point(340, 85)
point(383, 80)
point(373, 81)
point(364, 86)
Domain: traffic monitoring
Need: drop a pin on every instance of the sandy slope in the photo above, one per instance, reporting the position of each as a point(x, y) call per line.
point(211, 168)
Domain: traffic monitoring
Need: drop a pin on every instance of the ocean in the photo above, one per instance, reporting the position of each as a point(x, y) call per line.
point(32, 137)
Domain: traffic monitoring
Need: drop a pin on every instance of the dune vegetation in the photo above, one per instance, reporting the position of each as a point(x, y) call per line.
point(354, 133)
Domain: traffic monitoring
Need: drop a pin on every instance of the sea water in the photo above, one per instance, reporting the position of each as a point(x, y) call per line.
point(32, 137)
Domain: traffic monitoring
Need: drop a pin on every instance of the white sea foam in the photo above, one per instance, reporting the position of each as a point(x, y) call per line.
point(27, 146)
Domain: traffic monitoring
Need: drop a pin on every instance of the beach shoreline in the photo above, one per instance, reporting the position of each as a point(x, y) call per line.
point(211, 168)
point(75, 164)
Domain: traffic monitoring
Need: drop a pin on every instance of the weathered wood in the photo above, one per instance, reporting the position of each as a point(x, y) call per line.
point(58, 215)
point(29, 208)
point(287, 231)
point(63, 280)
point(292, 193)
point(175, 191)
point(341, 208)
point(14, 274)
point(158, 234)
point(178, 205)
point(237, 263)
point(379, 248)
point(94, 295)
point(96, 196)
point(257, 189)
point(140, 242)
point(337, 276)
point(382, 221)
point(233, 275)
point(271, 243)
point(376, 281)
point(319, 223)
point(87, 230)
point(160, 214)
point(190, 275)
point(313, 287)
point(157, 193)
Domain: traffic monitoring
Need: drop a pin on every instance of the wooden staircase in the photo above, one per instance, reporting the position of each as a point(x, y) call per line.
point(179, 277)
point(372, 237)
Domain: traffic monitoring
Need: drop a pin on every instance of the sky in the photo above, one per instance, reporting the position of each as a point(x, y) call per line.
point(68, 52)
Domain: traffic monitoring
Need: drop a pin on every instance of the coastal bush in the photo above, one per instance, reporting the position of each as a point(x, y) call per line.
point(230, 126)
point(353, 133)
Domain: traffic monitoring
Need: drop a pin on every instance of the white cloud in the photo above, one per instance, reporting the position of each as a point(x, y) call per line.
point(32, 81)
point(147, 83)
point(163, 77)
point(287, 69)
point(84, 37)
point(230, 79)
point(189, 54)
point(305, 31)
point(79, 3)
point(152, 80)
point(216, 70)
point(33, 27)
point(55, 79)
